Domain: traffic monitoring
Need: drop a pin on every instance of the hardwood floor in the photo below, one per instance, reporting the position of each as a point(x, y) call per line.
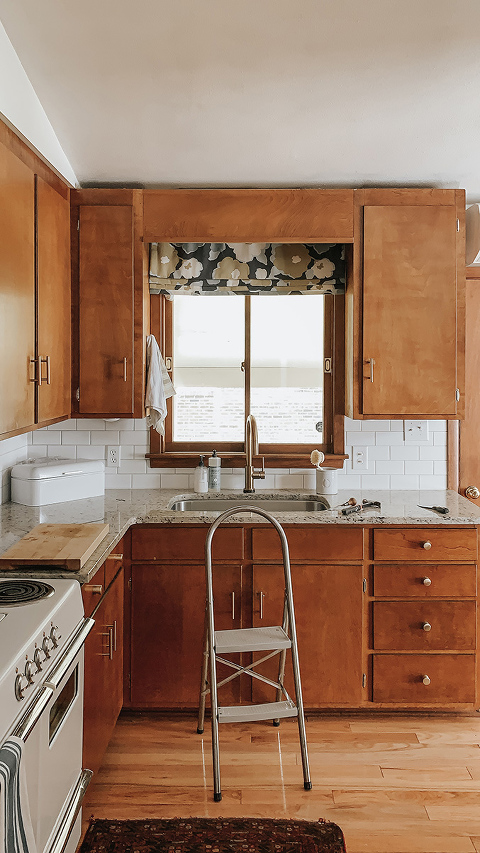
point(394, 784)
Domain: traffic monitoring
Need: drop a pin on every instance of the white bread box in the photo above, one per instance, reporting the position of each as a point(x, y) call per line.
point(52, 481)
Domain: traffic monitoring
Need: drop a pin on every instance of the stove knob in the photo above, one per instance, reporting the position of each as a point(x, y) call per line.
point(38, 659)
point(46, 647)
point(29, 673)
point(54, 637)
point(21, 685)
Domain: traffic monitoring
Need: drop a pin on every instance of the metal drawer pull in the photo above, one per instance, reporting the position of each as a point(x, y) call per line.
point(70, 815)
point(114, 636)
point(108, 633)
point(427, 545)
point(94, 588)
point(115, 557)
point(426, 680)
point(125, 369)
point(426, 581)
point(426, 626)
point(371, 362)
point(233, 606)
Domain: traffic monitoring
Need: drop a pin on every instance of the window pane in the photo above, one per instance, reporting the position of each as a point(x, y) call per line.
point(208, 350)
point(287, 368)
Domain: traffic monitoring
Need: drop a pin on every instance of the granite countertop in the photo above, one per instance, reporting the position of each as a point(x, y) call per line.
point(122, 508)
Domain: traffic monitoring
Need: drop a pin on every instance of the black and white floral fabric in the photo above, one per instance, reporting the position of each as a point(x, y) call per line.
point(247, 268)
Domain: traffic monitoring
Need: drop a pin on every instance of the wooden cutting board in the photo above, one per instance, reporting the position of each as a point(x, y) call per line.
point(66, 546)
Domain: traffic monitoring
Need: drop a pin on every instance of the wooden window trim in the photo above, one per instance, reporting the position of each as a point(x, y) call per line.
point(185, 455)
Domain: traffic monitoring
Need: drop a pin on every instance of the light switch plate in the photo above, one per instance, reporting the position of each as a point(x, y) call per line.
point(415, 431)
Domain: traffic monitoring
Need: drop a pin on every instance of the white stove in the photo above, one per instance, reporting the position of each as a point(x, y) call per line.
point(42, 631)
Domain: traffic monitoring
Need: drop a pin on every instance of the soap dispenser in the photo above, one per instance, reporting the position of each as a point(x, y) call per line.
point(214, 472)
point(200, 480)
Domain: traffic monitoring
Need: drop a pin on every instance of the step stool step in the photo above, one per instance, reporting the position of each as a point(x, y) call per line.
point(251, 640)
point(249, 713)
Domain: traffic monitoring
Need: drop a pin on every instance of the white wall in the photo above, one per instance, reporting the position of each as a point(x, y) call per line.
point(12, 450)
point(22, 110)
point(393, 462)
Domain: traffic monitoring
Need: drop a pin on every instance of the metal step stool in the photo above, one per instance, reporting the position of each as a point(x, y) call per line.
point(275, 639)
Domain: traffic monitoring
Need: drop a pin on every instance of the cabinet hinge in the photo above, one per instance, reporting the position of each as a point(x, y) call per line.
point(457, 394)
point(327, 365)
point(364, 680)
point(77, 394)
point(78, 224)
point(130, 680)
point(364, 585)
point(129, 583)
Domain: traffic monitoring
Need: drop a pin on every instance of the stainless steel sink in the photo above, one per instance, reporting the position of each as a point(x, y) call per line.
point(273, 504)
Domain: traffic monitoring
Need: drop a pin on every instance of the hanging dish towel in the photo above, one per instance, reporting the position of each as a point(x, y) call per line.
point(158, 387)
point(16, 832)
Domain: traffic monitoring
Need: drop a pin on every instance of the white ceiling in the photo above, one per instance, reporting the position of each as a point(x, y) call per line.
point(258, 92)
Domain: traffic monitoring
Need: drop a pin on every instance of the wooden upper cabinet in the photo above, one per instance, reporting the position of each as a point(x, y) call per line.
point(17, 293)
point(249, 215)
point(53, 303)
point(406, 306)
point(109, 298)
point(106, 309)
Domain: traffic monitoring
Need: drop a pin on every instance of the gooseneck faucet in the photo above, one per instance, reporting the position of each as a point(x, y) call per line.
point(251, 450)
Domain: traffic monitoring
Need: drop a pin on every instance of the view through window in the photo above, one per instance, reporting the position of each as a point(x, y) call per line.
point(263, 354)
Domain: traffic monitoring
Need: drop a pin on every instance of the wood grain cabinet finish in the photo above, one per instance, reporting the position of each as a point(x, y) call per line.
point(310, 543)
point(53, 304)
point(405, 305)
point(184, 543)
point(103, 697)
point(424, 617)
point(424, 543)
point(17, 293)
point(110, 302)
point(328, 608)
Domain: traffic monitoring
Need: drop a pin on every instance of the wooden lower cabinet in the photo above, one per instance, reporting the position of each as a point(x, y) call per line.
point(328, 616)
point(167, 613)
point(417, 679)
point(103, 670)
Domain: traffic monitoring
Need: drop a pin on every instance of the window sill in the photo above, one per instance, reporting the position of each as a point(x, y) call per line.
point(237, 460)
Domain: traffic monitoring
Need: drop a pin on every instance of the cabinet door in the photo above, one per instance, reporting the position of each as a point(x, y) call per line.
point(328, 603)
point(53, 302)
point(409, 310)
point(103, 676)
point(17, 293)
point(168, 609)
point(106, 309)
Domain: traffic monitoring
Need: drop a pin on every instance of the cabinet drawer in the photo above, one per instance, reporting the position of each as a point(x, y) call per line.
point(425, 581)
point(319, 544)
point(424, 625)
point(424, 543)
point(185, 543)
point(399, 679)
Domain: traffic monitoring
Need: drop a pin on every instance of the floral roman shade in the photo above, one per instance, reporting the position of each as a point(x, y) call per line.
point(217, 268)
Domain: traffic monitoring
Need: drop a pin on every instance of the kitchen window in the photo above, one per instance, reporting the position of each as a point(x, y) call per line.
point(277, 357)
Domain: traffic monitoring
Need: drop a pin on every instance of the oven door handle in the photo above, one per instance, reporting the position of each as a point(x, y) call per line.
point(33, 713)
point(71, 813)
point(70, 652)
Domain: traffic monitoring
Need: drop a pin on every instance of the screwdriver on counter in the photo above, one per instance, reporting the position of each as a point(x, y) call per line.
point(443, 510)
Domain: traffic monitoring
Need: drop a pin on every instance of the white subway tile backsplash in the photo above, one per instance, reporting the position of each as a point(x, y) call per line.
point(392, 464)
point(75, 437)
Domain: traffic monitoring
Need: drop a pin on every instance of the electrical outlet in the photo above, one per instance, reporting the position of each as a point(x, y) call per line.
point(113, 457)
point(415, 430)
point(360, 458)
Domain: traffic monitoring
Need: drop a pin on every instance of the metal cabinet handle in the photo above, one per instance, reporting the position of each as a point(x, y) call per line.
point(34, 361)
point(114, 636)
point(262, 596)
point(94, 588)
point(426, 545)
point(426, 581)
point(426, 626)
point(115, 557)
point(46, 361)
point(233, 606)
point(109, 634)
point(371, 362)
point(426, 680)
point(472, 492)
point(125, 369)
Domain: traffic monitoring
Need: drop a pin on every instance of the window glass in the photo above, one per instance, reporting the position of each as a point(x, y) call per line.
point(287, 337)
point(208, 351)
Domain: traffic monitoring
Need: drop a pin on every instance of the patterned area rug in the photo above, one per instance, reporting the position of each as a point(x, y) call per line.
point(213, 835)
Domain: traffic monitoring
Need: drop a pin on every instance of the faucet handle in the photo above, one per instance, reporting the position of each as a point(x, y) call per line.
point(259, 473)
